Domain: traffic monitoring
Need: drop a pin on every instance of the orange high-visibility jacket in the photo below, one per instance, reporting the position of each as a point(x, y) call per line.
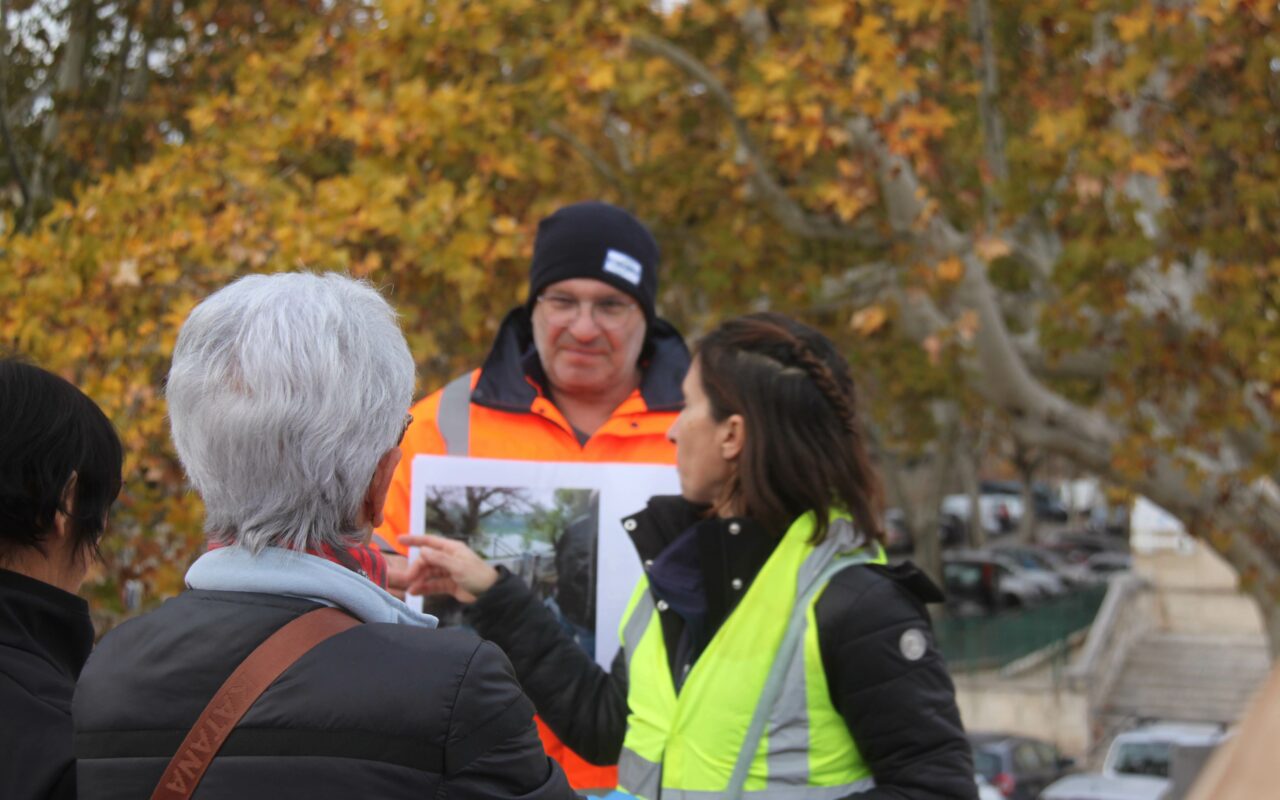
point(501, 411)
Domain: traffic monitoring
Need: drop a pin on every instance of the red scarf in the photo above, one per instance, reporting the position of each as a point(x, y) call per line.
point(363, 559)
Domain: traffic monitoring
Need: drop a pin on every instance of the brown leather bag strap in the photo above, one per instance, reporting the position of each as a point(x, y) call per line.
point(238, 694)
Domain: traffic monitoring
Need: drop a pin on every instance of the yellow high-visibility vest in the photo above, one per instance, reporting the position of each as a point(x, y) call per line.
point(754, 717)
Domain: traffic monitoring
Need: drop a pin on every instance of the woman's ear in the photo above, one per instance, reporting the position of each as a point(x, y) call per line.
point(376, 496)
point(733, 437)
point(62, 519)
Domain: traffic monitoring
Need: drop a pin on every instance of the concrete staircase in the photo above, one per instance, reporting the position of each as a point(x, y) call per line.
point(1191, 677)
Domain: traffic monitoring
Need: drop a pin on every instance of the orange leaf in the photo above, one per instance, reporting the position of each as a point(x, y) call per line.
point(869, 320)
point(950, 269)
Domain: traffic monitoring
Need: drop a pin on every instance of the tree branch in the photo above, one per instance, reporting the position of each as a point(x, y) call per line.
point(785, 209)
point(993, 142)
point(10, 145)
point(584, 150)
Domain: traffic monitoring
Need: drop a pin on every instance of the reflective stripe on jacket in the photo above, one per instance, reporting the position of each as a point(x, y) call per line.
point(754, 716)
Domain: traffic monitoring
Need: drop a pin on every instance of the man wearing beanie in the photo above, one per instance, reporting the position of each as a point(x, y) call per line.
point(583, 371)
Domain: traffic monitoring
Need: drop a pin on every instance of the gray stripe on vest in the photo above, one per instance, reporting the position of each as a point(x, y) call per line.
point(766, 709)
point(787, 759)
point(636, 625)
point(841, 537)
point(453, 416)
point(638, 775)
point(788, 728)
point(780, 793)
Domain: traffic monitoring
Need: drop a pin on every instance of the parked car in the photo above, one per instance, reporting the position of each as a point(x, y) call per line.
point(1019, 766)
point(1104, 565)
point(1077, 546)
point(1040, 558)
point(1050, 583)
point(1093, 786)
point(1149, 750)
point(992, 586)
point(999, 585)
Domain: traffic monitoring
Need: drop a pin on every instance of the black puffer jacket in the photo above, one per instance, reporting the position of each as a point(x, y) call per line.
point(45, 637)
point(898, 701)
point(381, 710)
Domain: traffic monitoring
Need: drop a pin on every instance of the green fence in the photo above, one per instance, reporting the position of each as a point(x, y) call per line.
point(991, 642)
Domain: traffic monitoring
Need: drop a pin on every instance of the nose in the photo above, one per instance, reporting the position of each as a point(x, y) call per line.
point(584, 327)
point(671, 432)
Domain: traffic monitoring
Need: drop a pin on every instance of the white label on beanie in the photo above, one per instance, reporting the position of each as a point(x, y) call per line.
point(624, 266)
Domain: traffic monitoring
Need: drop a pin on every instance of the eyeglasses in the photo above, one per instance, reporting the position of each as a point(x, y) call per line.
point(562, 309)
point(408, 420)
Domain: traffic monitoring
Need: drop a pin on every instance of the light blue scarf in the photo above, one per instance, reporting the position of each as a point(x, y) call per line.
point(294, 574)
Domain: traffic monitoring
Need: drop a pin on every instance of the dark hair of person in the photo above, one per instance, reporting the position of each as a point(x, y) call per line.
point(805, 448)
point(50, 432)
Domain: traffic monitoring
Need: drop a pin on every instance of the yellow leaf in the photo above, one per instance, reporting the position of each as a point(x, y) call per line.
point(604, 76)
point(989, 248)
point(910, 11)
point(1131, 27)
point(828, 14)
point(773, 71)
point(869, 320)
point(950, 269)
point(1147, 164)
point(1057, 127)
point(505, 226)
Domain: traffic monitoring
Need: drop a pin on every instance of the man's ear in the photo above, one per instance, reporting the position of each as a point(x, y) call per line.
point(733, 437)
point(376, 497)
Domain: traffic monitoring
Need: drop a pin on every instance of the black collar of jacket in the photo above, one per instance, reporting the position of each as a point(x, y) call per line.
point(504, 377)
point(45, 621)
point(730, 551)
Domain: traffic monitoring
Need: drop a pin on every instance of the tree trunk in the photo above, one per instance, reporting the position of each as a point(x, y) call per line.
point(1026, 464)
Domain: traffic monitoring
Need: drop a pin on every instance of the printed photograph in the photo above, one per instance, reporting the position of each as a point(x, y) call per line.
point(547, 537)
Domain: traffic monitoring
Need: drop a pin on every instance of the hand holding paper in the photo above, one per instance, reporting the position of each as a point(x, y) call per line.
point(447, 566)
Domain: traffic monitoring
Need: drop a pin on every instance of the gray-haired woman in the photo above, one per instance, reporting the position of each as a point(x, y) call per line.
point(287, 398)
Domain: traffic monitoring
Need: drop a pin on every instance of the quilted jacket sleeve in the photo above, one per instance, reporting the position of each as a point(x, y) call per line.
point(585, 705)
point(891, 685)
point(493, 750)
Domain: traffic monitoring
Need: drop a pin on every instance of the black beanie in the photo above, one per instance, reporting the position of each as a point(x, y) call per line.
point(598, 241)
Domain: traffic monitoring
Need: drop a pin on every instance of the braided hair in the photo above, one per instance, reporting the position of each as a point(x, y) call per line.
point(805, 449)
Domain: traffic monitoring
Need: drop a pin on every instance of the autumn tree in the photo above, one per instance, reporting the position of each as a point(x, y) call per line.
point(1051, 217)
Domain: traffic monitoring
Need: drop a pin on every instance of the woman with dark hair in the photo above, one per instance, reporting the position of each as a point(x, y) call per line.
point(60, 462)
point(769, 651)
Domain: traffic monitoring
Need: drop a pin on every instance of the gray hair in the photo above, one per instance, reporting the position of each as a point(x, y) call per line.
point(284, 393)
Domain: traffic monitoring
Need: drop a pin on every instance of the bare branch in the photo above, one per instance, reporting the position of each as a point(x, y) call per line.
point(993, 142)
point(6, 135)
point(785, 209)
point(588, 154)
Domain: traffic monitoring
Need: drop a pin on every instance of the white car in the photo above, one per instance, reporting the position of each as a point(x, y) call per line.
point(1048, 583)
point(1149, 750)
point(1093, 786)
